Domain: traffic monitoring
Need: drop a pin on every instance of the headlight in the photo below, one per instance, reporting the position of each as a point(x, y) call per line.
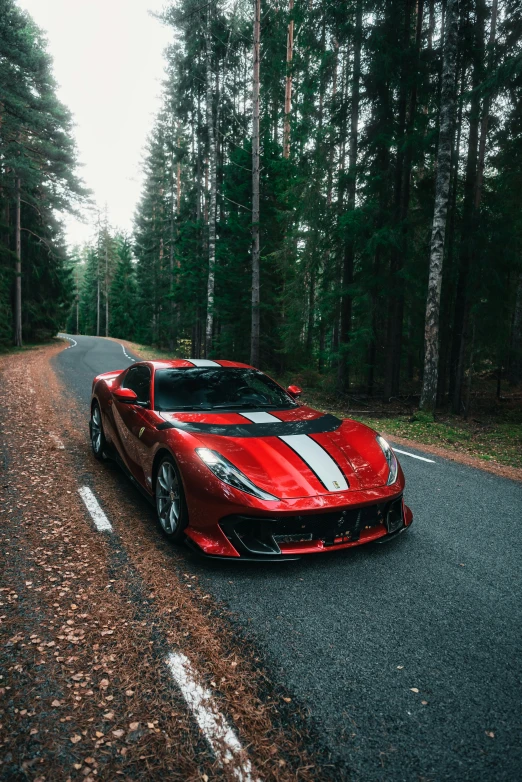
point(390, 457)
point(227, 473)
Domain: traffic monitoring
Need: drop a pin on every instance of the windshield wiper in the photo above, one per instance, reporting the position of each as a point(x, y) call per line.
point(189, 408)
point(246, 406)
point(241, 406)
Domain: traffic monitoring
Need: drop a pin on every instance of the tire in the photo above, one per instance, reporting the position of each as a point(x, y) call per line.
point(171, 507)
point(98, 441)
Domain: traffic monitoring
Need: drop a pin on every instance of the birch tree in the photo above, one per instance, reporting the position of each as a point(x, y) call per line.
point(447, 116)
point(288, 85)
point(254, 343)
point(212, 186)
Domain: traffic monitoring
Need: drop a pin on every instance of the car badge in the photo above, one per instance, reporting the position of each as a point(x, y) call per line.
point(141, 431)
point(336, 485)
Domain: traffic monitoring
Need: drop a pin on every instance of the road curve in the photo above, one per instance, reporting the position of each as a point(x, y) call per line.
point(405, 656)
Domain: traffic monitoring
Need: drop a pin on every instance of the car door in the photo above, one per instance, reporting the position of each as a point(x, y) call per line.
point(130, 419)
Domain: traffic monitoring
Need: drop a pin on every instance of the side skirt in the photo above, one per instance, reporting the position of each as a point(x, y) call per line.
point(113, 454)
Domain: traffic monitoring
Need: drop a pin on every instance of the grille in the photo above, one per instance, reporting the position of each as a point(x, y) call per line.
point(261, 536)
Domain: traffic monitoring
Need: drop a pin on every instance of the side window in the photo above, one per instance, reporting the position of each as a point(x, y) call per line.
point(138, 380)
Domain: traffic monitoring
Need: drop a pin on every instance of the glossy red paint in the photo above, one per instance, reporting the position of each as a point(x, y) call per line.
point(125, 395)
point(269, 462)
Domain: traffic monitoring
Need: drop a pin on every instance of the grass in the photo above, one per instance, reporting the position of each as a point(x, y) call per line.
point(493, 434)
point(493, 437)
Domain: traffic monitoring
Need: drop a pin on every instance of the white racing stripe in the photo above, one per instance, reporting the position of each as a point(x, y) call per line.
point(101, 521)
point(318, 460)
point(222, 739)
point(126, 354)
point(261, 418)
point(414, 456)
point(203, 362)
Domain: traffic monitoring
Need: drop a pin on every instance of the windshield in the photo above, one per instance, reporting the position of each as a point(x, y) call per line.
point(207, 389)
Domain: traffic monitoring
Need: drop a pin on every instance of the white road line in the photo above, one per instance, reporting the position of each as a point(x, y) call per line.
point(222, 739)
point(64, 336)
point(126, 354)
point(414, 456)
point(98, 516)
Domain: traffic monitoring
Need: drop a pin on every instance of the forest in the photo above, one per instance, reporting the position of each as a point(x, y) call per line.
point(38, 181)
point(330, 188)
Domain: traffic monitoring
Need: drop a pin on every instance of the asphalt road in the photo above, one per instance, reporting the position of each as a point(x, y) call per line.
point(353, 635)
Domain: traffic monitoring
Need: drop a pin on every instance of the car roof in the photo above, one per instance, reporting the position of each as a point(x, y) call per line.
point(188, 363)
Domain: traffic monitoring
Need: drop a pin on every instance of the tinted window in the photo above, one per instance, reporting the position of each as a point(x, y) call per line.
point(138, 380)
point(205, 389)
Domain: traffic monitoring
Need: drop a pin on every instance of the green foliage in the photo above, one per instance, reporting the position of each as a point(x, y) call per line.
point(328, 254)
point(36, 148)
point(123, 294)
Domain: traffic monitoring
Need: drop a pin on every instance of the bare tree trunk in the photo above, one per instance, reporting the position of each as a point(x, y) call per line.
point(447, 119)
point(254, 341)
point(515, 348)
point(332, 135)
point(343, 377)
point(469, 219)
point(288, 87)
point(18, 269)
point(106, 283)
point(77, 297)
point(171, 257)
point(212, 194)
point(485, 110)
point(311, 313)
point(98, 298)
point(198, 165)
point(392, 364)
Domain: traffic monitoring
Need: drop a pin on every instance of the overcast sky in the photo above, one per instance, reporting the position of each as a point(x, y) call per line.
point(109, 66)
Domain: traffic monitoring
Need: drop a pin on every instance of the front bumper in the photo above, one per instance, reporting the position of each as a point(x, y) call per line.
point(276, 538)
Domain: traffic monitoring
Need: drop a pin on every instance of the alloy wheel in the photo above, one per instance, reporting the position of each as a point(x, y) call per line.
point(96, 430)
point(168, 499)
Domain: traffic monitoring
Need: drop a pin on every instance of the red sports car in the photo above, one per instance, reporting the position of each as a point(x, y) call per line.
point(238, 467)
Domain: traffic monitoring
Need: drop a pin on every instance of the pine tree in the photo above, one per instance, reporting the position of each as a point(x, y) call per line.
point(123, 293)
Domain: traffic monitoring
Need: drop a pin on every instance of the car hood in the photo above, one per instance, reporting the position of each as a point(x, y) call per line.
point(292, 453)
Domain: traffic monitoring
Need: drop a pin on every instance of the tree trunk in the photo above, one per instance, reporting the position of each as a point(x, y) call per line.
point(442, 185)
point(77, 297)
point(396, 299)
point(98, 292)
point(311, 313)
point(469, 222)
point(198, 165)
point(343, 376)
point(212, 194)
point(288, 87)
point(448, 281)
point(171, 257)
point(106, 284)
point(514, 374)
point(332, 134)
point(485, 110)
point(18, 269)
point(254, 344)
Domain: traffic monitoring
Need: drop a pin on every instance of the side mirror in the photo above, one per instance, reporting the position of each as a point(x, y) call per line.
point(294, 391)
point(126, 395)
